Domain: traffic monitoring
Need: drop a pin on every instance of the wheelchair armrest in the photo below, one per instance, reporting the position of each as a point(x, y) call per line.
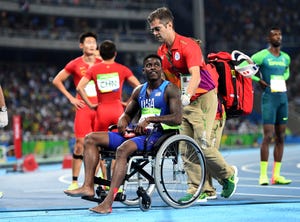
point(129, 132)
point(112, 127)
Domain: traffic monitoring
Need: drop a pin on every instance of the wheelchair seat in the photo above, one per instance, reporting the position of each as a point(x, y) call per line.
point(105, 153)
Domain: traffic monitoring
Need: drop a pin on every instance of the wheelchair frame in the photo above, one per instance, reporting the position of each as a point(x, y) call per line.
point(165, 171)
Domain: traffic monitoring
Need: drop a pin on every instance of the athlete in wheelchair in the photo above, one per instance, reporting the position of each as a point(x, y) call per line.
point(158, 102)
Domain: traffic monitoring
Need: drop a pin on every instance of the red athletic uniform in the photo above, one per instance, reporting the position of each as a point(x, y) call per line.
point(109, 79)
point(85, 117)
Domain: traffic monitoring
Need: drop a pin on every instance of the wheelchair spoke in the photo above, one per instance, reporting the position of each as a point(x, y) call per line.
point(178, 154)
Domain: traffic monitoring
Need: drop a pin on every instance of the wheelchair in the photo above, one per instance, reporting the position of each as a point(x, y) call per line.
point(162, 168)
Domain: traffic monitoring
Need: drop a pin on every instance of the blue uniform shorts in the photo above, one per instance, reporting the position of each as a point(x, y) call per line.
point(274, 107)
point(116, 139)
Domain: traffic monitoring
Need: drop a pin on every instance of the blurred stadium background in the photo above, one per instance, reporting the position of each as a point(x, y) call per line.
point(38, 37)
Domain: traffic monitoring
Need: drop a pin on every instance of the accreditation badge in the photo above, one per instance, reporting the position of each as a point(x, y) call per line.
point(184, 82)
point(108, 82)
point(148, 112)
point(277, 84)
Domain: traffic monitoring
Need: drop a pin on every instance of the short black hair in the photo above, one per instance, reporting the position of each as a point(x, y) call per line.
point(152, 56)
point(84, 35)
point(107, 49)
point(273, 28)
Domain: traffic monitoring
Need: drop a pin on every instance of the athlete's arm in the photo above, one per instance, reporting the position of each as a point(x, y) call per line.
point(131, 110)
point(3, 113)
point(133, 82)
point(286, 74)
point(80, 89)
point(172, 97)
point(58, 81)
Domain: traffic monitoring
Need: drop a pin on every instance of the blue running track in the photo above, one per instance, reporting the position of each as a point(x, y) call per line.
point(38, 196)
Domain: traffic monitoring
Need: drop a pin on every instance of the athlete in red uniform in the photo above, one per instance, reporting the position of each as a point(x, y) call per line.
point(85, 118)
point(109, 77)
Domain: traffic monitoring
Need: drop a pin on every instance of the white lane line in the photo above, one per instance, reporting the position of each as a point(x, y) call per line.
point(256, 179)
point(42, 191)
point(247, 168)
point(63, 179)
point(285, 187)
point(266, 195)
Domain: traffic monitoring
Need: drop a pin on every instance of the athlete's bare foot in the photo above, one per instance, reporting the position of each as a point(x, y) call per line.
point(101, 209)
point(80, 192)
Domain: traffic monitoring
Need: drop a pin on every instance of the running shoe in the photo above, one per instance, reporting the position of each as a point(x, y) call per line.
point(280, 180)
point(263, 180)
point(211, 195)
point(229, 185)
point(186, 198)
point(202, 198)
point(107, 188)
point(73, 186)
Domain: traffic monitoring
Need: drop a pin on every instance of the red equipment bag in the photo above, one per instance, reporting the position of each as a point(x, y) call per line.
point(234, 90)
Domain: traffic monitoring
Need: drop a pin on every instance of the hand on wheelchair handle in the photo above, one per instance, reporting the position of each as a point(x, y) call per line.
point(140, 128)
point(129, 134)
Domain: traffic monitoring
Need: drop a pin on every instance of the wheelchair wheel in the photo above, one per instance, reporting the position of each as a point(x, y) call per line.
point(175, 155)
point(144, 199)
point(135, 181)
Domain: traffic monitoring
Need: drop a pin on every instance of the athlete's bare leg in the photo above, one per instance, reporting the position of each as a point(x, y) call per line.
point(268, 130)
point(76, 162)
point(279, 142)
point(102, 166)
point(119, 173)
point(91, 159)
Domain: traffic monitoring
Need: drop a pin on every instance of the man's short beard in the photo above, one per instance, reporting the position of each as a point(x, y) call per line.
point(276, 44)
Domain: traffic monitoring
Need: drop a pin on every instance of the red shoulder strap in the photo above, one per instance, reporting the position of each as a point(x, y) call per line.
point(219, 55)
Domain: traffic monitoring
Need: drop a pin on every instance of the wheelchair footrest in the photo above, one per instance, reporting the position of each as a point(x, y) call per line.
point(94, 199)
point(119, 197)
